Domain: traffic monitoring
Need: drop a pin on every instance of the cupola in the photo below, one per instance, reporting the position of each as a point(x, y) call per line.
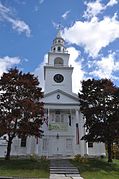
point(58, 44)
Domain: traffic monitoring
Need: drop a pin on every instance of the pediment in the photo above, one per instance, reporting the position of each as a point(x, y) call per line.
point(60, 97)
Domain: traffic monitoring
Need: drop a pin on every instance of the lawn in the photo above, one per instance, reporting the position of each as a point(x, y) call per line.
point(24, 168)
point(98, 169)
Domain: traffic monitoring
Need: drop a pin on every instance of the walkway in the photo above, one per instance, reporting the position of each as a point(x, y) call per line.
point(63, 169)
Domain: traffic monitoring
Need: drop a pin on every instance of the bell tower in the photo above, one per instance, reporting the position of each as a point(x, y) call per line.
point(57, 72)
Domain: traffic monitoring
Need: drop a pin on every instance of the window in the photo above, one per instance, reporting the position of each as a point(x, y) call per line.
point(58, 62)
point(77, 133)
point(62, 117)
point(45, 144)
point(69, 120)
point(52, 117)
point(23, 142)
point(4, 137)
point(59, 49)
point(59, 117)
point(57, 112)
point(90, 144)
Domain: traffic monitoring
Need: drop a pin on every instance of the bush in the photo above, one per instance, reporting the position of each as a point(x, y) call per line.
point(115, 151)
point(43, 158)
point(33, 157)
point(81, 159)
point(77, 157)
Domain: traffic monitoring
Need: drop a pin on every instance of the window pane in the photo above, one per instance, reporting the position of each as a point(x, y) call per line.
point(57, 118)
point(45, 144)
point(90, 144)
point(23, 142)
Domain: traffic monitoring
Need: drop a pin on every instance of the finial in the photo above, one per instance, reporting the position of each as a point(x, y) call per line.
point(59, 27)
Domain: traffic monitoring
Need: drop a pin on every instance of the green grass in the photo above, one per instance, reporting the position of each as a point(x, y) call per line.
point(24, 168)
point(98, 169)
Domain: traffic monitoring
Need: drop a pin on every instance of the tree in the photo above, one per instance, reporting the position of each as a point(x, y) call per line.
point(21, 109)
point(99, 101)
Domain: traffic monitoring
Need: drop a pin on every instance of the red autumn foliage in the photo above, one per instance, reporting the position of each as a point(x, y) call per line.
point(21, 108)
point(99, 101)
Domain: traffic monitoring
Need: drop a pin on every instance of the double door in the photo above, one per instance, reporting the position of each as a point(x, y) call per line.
point(60, 146)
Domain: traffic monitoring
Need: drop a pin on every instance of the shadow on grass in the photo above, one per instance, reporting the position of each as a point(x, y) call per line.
point(27, 164)
point(97, 165)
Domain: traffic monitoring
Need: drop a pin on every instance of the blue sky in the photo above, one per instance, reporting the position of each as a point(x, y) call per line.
point(90, 29)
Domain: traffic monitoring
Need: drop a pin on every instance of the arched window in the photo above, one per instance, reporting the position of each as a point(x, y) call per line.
point(59, 49)
point(58, 61)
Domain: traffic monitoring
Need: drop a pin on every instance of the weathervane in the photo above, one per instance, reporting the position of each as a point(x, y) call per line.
point(59, 27)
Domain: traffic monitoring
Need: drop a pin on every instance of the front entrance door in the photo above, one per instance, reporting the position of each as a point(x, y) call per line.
point(58, 147)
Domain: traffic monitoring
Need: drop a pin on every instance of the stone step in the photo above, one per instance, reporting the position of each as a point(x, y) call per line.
point(62, 176)
point(64, 169)
point(64, 172)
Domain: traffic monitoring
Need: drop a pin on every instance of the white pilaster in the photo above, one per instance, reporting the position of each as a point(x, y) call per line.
point(82, 132)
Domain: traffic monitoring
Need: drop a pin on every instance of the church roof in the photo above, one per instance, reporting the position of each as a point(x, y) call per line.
point(71, 95)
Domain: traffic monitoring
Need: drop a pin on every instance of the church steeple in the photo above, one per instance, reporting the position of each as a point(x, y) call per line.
point(58, 44)
point(57, 72)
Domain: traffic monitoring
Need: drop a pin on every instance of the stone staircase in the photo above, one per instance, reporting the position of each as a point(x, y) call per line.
point(63, 169)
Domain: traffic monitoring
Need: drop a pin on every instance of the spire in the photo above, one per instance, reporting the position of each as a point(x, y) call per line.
point(59, 32)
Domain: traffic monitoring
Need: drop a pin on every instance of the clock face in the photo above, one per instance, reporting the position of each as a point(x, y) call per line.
point(58, 78)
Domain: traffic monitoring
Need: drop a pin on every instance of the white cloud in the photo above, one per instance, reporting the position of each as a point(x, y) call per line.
point(112, 2)
point(93, 35)
point(78, 73)
point(55, 25)
point(93, 8)
point(23, 2)
point(39, 71)
point(41, 1)
point(19, 25)
point(7, 62)
point(4, 10)
point(96, 7)
point(106, 67)
point(64, 16)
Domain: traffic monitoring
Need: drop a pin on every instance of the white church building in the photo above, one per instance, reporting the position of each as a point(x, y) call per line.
point(63, 127)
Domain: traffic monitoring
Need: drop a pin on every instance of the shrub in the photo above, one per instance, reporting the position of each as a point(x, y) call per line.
point(43, 157)
point(77, 157)
point(81, 159)
point(33, 157)
point(115, 151)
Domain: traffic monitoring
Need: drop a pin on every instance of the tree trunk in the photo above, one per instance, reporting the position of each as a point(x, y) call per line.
point(7, 157)
point(109, 148)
